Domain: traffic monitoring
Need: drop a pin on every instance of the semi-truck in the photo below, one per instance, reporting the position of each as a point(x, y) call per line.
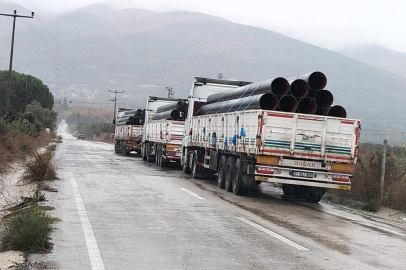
point(163, 130)
point(128, 131)
point(304, 153)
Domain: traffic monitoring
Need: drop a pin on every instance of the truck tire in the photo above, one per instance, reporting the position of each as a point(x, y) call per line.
point(313, 197)
point(221, 174)
point(123, 148)
point(126, 152)
point(288, 190)
point(238, 188)
point(161, 156)
point(157, 155)
point(143, 152)
point(194, 169)
point(185, 167)
point(230, 174)
point(149, 157)
point(115, 148)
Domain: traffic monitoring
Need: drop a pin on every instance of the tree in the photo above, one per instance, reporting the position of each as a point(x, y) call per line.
point(24, 90)
point(40, 117)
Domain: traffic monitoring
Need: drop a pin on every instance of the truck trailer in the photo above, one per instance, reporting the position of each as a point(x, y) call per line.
point(163, 130)
point(128, 133)
point(304, 153)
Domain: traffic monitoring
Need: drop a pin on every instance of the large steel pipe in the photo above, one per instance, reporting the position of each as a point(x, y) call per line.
point(168, 115)
point(324, 99)
point(337, 111)
point(123, 119)
point(307, 105)
point(264, 101)
point(180, 106)
point(299, 88)
point(316, 80)
point(288, 104)
point(278, 86)
point(132, 112)
point(136, 120)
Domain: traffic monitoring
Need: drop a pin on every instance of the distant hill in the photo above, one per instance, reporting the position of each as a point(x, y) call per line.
point(141, 52)
point(379, 56)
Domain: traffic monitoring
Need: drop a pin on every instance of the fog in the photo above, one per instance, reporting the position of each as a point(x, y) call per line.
point(331, 24)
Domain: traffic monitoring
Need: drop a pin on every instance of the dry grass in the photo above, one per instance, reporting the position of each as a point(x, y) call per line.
point(40, 167)
point(104, 137)
point(15, 146)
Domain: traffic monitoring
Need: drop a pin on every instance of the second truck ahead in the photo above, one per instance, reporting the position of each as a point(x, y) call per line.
point(163, 132)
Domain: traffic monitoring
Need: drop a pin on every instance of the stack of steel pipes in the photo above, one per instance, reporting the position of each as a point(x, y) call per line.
point(173, 111)
point(303, 94)
point(131, 117)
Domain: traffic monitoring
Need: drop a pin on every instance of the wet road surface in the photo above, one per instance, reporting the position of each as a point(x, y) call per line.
point(122, 213)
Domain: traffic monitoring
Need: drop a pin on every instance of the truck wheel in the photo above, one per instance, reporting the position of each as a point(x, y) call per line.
point(143, 152)
point(149, 158)
point(313, 197)
point(160, 156)
point(186, 168)
point(194, 165)
point(156, 155)
point(115, 148)
point(238, 188)
point(230, 174)
point(288, 190)
point(126, 152)
point(122, 149)
point(221, 175)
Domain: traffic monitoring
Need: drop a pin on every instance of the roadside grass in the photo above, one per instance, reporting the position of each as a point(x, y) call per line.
point(16, 145)
point(28, 231)
point(40, 167)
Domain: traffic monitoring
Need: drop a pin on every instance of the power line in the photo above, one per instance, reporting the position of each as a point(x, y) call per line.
point(52, 49)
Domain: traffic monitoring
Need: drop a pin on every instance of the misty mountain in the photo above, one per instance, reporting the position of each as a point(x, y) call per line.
point(141, 52)
point(379, 56)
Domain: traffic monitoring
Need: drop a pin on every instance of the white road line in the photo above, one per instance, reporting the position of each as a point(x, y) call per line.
point(271, 233)
point(91, 244)
point(192, 193)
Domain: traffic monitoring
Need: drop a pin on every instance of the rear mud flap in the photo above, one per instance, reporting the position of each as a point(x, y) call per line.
point(248, 180)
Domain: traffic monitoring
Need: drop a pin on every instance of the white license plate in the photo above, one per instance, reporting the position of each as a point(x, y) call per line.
point(301, 174)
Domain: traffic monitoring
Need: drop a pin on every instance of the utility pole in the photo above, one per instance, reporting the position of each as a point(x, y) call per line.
point(383, 166)
point(115, 106)
point(15, 16)
point(171, 93)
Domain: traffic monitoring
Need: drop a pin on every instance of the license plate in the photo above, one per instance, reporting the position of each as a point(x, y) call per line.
point(346, 187)
point(261, 178)
point(301, 174)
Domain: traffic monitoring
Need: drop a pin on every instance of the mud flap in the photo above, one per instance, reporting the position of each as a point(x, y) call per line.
point(248, 180)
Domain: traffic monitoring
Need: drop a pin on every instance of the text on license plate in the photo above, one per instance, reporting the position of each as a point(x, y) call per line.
point(261, 178)
point(301, 174)
point(346, 187)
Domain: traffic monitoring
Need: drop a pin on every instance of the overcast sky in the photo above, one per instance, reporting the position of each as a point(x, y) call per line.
point(327, 23)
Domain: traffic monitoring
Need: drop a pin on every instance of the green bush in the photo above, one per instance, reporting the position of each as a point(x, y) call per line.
point(27, 231)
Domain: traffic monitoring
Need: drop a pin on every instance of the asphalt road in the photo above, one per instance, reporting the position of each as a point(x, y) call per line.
point(121, 213)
